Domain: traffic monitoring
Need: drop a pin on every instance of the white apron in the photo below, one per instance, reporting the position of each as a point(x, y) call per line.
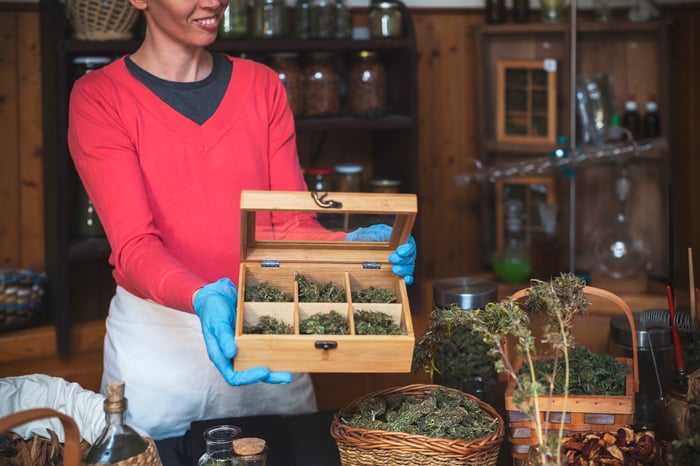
point(160, 353)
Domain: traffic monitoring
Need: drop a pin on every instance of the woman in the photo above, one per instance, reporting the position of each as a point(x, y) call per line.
point(164, 140)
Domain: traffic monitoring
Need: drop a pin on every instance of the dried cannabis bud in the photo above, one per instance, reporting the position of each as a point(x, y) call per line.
point(443, 413)
point(314, 292)
point(330, 323)
point(266, 293)
point(374, 295)
point(268, 325)
point(376, 323)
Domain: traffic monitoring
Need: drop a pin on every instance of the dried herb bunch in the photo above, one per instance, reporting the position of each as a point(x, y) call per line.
point(449, 348)
point(560, 299)
point(368, 322)
point(268, 325)
point(328, 323)
point(444, 413)
point(311, 291)
point(373, 295)
point(264, 292)
point(35, 451)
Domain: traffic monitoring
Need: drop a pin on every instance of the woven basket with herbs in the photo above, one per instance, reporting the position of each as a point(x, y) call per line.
point(475, 429)
point(21, 294)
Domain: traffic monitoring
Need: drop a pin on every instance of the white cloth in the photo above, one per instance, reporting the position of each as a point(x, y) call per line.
point(44, 391)
point(160, 353)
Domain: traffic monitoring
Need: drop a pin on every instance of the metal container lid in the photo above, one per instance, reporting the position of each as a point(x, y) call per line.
point(466, 292)
point(649, 336)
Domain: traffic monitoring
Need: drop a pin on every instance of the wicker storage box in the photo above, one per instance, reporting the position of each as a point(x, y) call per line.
point(364, 447)
point(351, 266)
point(583, 413)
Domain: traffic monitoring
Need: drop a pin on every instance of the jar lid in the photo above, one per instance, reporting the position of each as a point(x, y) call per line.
point(248, 446)
point(319, 171)
point(87, 61)
point(348, 168)
point(466, 292)
point(366, 53)
point(386, 5)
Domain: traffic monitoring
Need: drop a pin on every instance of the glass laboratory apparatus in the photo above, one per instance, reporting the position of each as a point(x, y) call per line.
point(512, 262)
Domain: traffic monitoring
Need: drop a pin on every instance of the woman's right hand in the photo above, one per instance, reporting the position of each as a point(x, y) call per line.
point(215, 305)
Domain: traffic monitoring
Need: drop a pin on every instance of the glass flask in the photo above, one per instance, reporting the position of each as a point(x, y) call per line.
point(219, 444)
point(512, 261)
point(118, 441)
point(234, 22)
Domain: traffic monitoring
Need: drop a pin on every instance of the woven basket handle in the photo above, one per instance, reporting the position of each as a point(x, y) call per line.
point(71, 447)
point(628, 312)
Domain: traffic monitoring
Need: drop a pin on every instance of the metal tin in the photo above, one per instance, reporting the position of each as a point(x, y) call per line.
point(647, 338)
point(466, 292)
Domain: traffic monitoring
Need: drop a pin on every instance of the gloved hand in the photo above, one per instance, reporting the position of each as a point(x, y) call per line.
point(403, 260)
point(215, 305)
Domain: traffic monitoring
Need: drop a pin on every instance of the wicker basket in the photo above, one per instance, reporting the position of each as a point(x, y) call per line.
point(364, 447)
point(21, 293)
point(101, 20)
point(582, 413)
point(41, 451)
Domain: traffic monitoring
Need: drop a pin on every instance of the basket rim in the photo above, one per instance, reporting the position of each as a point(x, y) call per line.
point(358, 437)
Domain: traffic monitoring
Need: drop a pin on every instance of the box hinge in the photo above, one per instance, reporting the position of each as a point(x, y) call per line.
point(371, 265)
point(270, 263)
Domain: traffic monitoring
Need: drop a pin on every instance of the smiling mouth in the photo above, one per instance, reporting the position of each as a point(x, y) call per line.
point(207, 21)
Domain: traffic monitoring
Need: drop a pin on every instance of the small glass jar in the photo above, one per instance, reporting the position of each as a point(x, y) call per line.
point(84, 65)
point(348, 177)
point(322, 19)
point(552, 11)
point(234, 22)
point(385, 20)
point(385, 185)
point(343, 20)
point(269, 19)
point(287, 67)
point(219, 442)
point(302, 19)
point(367, 85)
point(250, 451)
point(319, 179)
point(321, 85)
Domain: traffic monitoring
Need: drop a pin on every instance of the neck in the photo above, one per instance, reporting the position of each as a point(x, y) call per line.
point(186, 64)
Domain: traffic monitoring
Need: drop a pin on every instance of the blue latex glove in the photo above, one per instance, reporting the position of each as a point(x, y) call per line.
point(403, 260)
point(215, 305)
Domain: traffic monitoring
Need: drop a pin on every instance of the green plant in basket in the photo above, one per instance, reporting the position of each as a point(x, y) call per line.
point(560, 300)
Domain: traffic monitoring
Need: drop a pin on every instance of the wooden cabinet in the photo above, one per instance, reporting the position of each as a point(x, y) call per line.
point(634, 56)
point(386, 146)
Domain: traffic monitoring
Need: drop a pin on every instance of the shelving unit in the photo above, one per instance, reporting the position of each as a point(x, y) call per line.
point(80, 283)
point(635, 56)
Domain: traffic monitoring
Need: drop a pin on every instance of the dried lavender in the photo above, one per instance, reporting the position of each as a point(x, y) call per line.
point(266, 293)
point(325, 323)
point(442, 413)
point(376, 323)
point(374, 295)
point(311, 291)
point(268, 325)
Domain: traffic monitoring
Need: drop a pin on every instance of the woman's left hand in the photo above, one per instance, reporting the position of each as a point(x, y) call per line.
point(403, 260)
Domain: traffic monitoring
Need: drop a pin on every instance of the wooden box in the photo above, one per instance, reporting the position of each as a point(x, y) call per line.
point(285, 235)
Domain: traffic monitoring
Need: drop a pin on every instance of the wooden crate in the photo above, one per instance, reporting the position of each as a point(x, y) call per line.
point(320, 253)
point(582, 413)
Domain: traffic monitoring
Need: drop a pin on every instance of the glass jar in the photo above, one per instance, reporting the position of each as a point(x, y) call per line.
point(552, 11)
point(250, 451)
point(319, 179)
point(343, 20)
point(302, 19)
point(219, 442)
point(322, 19)
point(385, 185)
point(234, 22)
point(84, 65)
point(348, 177)
point(367, 85)
point(321, 85)
point(269, 19)
point(287, 67)
point(385, 20)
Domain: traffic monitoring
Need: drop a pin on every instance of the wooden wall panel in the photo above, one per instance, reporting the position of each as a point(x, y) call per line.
point(449, 215)
point(9, 173)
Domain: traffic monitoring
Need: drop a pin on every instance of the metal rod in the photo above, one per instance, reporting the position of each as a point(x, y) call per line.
point(572, 134)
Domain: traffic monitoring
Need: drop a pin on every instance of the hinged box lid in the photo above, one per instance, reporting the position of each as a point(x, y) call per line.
point(296, 226)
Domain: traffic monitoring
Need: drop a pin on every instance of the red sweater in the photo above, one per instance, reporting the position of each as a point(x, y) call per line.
point(166, 189)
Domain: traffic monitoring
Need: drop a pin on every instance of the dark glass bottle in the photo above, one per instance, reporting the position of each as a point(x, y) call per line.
point(631, 119)
point(495, 11)
point(118, 441)
point(521, 11)
point(651, 122)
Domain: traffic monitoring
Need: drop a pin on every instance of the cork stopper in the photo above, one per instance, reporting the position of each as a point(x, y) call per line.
point(115, 401)
point(248, 446)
